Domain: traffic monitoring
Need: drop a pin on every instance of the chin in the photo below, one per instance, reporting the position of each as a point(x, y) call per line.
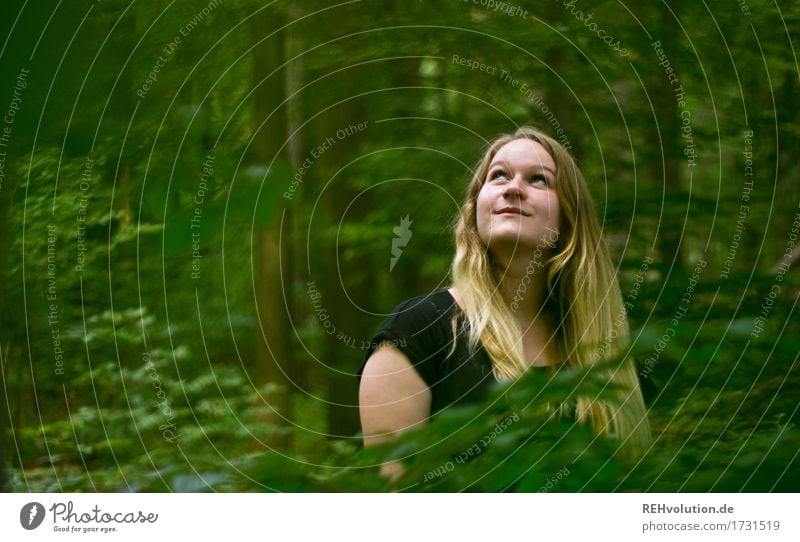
point(517, 244)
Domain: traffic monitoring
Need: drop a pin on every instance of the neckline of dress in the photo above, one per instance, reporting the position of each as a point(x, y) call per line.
point(453, 301)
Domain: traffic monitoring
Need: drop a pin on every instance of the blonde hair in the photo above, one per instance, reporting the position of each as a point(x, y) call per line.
point(581, 289)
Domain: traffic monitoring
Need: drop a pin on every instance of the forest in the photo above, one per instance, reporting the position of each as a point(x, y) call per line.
point(208, 207)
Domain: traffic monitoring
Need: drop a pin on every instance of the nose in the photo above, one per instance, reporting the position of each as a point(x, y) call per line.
point(514, 188)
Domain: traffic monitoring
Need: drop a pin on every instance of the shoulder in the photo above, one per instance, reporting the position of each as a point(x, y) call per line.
point(422, 313)
point(420, 328)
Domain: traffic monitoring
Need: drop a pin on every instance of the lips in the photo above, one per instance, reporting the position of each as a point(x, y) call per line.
point(511, 211)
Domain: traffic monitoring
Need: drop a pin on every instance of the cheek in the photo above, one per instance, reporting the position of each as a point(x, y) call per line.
point(554, 209)
point(483, 213)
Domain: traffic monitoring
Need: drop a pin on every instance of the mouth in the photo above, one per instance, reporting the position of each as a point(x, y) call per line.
point(511, 211)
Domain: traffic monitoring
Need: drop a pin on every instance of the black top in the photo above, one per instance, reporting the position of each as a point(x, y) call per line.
point(422, 329)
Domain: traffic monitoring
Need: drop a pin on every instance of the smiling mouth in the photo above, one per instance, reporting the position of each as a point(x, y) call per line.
point(511, 211)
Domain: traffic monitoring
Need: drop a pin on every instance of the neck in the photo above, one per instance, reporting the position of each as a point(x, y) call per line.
point(523, 285)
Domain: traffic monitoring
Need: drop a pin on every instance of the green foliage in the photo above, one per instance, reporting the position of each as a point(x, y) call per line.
point(123, 371)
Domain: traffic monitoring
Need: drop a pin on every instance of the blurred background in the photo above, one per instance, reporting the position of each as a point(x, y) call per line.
point(207, 208)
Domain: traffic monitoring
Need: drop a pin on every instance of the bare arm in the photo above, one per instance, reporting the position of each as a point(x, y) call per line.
point(392, 398)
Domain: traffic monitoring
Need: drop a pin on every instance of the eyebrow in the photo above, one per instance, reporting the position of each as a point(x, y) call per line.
point(501, 163)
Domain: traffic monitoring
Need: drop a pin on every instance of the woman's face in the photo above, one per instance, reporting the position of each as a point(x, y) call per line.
point(517, 207)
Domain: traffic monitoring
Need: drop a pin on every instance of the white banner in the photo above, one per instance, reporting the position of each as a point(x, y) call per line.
point(398, 517)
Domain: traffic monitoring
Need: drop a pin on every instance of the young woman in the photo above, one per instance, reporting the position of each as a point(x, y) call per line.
point(533, 288)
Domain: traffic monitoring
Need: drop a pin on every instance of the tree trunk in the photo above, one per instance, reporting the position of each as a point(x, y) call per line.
point(273, 352)
point(340, 277)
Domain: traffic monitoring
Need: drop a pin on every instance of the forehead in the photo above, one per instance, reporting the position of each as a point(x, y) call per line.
point(524, 153)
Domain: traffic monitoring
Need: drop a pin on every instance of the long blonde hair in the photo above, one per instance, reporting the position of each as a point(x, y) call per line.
point(582, 290)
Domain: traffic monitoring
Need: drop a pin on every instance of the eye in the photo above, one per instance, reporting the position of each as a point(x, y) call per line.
point(497, 174)
point(541, 179)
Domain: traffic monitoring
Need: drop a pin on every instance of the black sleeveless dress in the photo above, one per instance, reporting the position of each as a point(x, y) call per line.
point(421, 328)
